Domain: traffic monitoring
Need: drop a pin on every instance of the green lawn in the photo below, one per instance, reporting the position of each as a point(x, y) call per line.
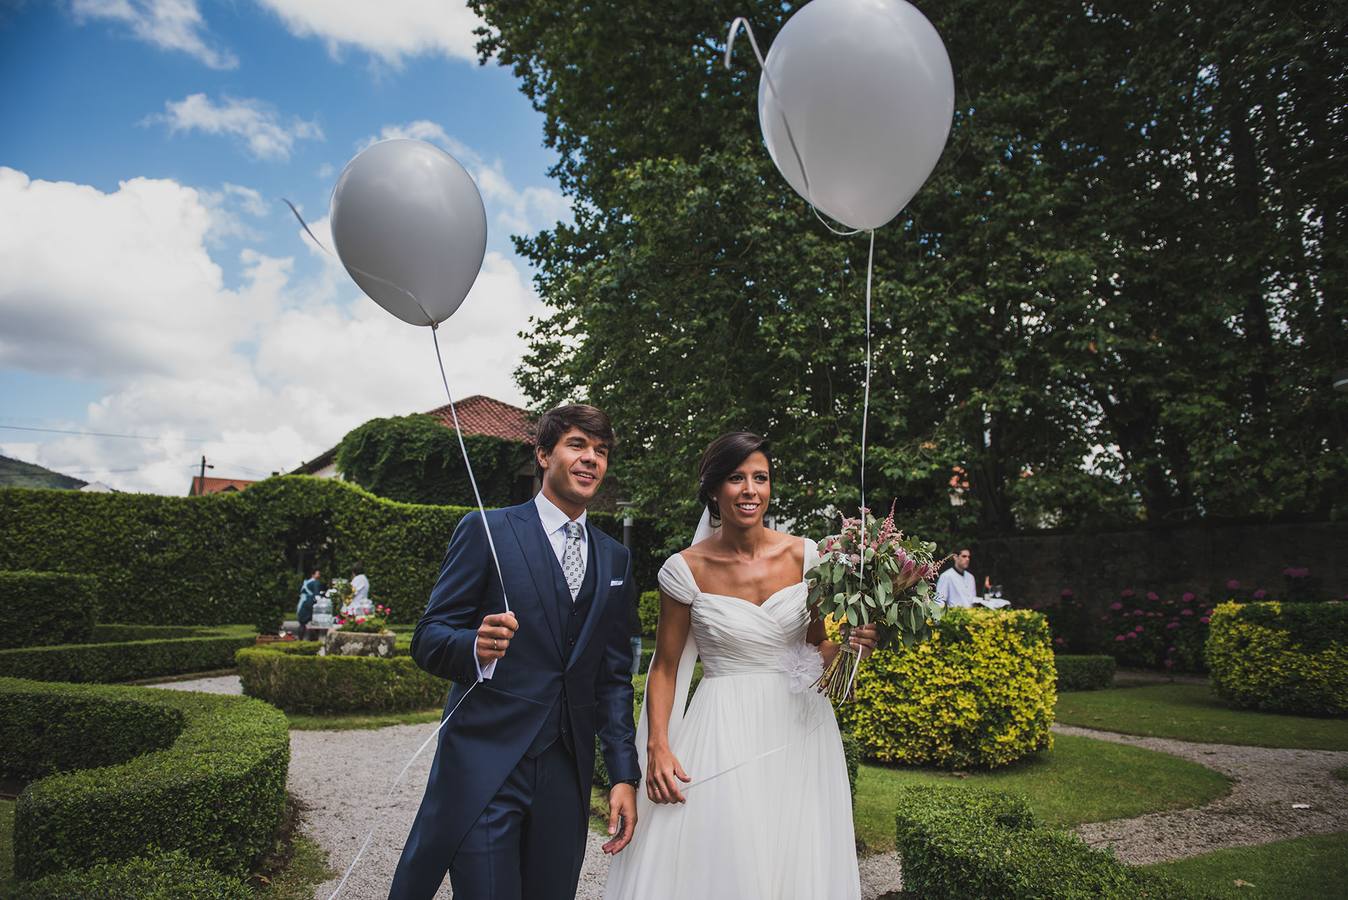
point(301, 722)
point(1304, 868)
point(1190, 712)
point(1080, 780)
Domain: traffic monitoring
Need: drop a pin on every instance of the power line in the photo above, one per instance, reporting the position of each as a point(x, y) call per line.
point(135, 437)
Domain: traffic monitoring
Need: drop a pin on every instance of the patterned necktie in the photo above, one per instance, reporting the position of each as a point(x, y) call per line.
point(573, 567)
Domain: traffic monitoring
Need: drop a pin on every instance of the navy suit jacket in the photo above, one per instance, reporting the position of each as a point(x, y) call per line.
point(491, 731)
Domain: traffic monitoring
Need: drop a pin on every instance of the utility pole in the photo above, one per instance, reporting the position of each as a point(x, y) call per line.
point(201, 483)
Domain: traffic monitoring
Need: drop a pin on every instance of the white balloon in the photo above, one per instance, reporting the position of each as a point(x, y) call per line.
point(867, 88)
point(409, 225)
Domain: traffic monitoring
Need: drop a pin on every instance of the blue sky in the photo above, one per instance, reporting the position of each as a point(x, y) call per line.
point(151, 281)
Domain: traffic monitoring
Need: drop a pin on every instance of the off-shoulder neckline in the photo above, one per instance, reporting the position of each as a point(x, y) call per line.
point(805, 566)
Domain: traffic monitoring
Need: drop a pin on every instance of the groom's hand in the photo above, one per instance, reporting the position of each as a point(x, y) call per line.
point(622, 814)
point(493, 636)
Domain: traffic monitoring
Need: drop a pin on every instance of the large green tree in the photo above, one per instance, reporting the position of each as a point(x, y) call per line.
point(1118, 298)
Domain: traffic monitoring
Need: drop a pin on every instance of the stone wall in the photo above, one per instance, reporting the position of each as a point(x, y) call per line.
point(1199, 558)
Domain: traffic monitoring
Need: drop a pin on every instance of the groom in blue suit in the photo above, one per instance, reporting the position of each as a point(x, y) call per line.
point(506, 805)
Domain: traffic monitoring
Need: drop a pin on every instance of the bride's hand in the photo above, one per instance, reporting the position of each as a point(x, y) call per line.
point(663, 774)
point(864, 638)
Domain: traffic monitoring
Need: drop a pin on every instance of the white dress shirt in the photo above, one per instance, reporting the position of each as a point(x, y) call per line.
point(956, 588)
point(554, 528)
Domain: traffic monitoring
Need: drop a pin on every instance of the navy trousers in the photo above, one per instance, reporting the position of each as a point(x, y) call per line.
point(528, 844)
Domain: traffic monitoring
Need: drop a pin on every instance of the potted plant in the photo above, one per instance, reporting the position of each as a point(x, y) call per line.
point(361, 635)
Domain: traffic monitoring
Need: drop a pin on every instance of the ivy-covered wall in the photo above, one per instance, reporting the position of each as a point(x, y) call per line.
point(230, 558)
point(416, 459)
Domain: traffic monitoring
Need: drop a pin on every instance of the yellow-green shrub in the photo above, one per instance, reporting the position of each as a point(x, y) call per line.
point(980, 693)
point(1281, 657)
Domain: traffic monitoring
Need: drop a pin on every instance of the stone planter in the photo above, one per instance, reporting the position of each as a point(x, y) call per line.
point(349, 643)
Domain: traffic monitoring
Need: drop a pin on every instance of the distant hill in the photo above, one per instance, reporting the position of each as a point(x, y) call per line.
point(17, 473)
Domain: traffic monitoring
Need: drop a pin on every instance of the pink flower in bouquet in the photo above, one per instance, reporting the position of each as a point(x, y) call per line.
point(1151, 595)
point(1131, 635)
point(1204, 620)
point(1170, 625)
point(1116, 605)
point(1139, 612)
point(1120, 637)
point(1188, 597)
point(1232, 585)
point(1138, 630)
point(360, 620)
point(1260, 594)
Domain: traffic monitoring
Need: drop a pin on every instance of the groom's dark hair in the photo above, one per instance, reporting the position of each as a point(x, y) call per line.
point(556, 422)
point(722, 457)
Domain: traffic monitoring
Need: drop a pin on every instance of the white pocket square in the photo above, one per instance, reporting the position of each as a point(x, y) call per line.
point(617, 583)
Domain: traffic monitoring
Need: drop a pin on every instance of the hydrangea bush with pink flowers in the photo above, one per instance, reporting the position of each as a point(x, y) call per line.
point(1146, 630)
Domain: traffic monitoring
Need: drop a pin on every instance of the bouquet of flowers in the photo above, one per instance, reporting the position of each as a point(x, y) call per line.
point(376, 623)
point(870, 572)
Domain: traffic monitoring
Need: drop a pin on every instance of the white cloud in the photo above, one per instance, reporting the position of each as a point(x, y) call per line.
point(512, 209)
point(228, 206)
point(254, 122)
point(170, 24)
point(122, 287)
point(389, 30)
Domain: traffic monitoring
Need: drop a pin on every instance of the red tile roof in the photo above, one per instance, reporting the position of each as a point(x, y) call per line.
point(483, 415)
point(209, 485)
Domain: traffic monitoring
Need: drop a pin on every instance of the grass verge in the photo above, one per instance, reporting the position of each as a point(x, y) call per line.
point(1079, 780)
point(1305, 868)
point(1190, 712)
point(302, 722)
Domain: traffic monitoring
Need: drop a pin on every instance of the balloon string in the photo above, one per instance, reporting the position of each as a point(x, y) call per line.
point(482, 512)
point(865, 418)
point(370, 834)
point(742, 23)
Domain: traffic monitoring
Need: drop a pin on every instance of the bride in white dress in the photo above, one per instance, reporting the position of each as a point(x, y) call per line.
point(746, 795)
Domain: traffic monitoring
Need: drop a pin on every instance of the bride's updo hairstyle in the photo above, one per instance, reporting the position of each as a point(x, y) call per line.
point(722, 457)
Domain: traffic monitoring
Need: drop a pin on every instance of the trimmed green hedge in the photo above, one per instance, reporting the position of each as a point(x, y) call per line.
point(978, 694)
point(160, 876)
point(127, 660)
point(965, 844)
point(295, 678)
point(648, 608)
point(215, 789)
point(235, 557)
point(1084, 673)
point(46, 608)
point(1281, 657)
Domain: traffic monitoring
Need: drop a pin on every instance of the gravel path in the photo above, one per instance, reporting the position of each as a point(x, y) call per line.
point(1260, 808)
point(340, 776)
point(220, 684)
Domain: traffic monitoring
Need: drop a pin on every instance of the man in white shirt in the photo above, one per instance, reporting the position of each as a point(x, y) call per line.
point(956, 586)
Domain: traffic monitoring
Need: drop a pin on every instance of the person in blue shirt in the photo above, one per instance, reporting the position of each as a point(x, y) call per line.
point(304, 610)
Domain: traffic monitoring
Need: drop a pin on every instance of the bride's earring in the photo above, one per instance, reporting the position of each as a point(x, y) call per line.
point(715, 509)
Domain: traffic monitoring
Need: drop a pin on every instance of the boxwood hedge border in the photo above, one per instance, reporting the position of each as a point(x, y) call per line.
point(134, 651)
point(215, 789)
point(293, 677)
point(1280, 657)
point(963, 843)
point(1084, 673)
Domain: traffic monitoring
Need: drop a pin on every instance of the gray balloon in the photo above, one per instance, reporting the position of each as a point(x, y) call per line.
point(409, 225)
